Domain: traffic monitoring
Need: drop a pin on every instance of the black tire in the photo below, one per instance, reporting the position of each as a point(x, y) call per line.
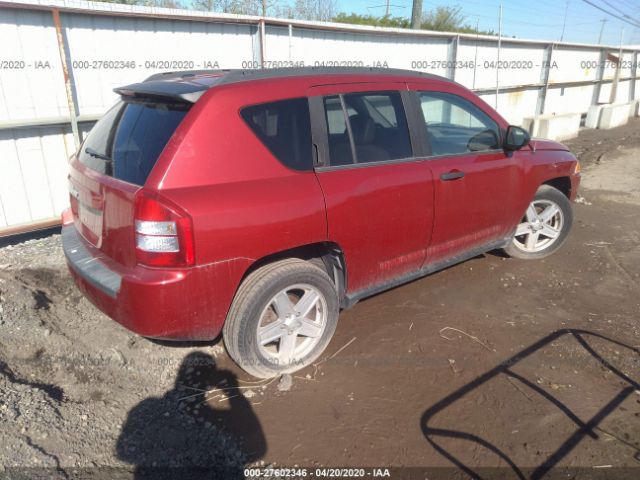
point(240, 331)
point(549, 194)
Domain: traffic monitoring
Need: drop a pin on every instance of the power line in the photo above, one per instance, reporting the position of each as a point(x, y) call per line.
point(629, 4)
point(616, 8)
point(517, 8)
point(612, 14)
point(541, 25)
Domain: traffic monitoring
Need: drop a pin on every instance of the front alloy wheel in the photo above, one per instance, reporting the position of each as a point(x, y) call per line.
point(541, 226)
point(544, 227)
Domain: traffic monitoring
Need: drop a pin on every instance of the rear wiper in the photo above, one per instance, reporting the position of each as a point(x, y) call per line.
point(94, 153)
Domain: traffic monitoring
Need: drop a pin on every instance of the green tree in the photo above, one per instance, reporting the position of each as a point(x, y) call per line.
point(384, 21)
point(449, 19)
point(441, 19)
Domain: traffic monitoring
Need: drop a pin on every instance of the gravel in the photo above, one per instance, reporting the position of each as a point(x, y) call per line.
point(76, 396)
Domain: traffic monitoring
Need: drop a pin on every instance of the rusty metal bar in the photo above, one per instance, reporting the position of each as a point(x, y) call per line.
point(62, 48)
point(30, 227)
point(46, 122)
point(533, 86)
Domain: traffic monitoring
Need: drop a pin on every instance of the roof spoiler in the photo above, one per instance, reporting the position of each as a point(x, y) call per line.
point(183, 86)
point(176, 91)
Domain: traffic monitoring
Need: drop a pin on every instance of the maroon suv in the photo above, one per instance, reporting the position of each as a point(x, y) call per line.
point(260, 203)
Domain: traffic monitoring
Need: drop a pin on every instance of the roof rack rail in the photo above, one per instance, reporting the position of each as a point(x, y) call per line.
point(190, 85)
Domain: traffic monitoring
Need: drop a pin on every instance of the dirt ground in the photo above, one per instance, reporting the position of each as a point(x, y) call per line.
point(522, 368)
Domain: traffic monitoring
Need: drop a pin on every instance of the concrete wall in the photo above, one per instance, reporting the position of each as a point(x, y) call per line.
point(108, 45)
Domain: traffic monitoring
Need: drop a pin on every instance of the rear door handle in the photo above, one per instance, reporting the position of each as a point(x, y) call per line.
point(452, 175)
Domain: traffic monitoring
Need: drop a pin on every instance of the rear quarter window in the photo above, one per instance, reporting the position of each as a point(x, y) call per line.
point(285, 129)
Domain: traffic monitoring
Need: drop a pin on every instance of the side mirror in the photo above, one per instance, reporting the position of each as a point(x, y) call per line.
point(485, 140)
point(516, 138)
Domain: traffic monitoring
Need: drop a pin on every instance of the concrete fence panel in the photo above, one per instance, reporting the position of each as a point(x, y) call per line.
point(45, 111)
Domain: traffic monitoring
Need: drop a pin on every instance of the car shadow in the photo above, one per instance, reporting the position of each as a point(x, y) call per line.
point(582, 428)
point(202, 428)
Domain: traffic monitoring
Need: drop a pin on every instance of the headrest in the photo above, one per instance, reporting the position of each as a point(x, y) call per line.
point(363, 129)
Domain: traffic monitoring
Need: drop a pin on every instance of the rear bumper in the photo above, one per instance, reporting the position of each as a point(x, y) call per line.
point(175, 304)
point(86, 266)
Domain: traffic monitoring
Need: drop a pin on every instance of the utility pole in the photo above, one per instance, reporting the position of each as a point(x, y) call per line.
point(564, 23)
point(604, 20)
point(416, 14)
point(264, 8)
point(386, 13)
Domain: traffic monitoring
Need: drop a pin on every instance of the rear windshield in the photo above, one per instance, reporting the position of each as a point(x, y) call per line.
point(128, 139)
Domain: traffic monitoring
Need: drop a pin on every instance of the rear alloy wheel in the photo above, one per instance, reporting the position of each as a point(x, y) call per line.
point(544, 226)
point(282, 318)
point(292, 324)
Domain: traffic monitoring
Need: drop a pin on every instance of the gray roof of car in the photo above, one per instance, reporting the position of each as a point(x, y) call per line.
point(190, 85)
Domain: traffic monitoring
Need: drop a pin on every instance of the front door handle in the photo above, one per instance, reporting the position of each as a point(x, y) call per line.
point(452, 175)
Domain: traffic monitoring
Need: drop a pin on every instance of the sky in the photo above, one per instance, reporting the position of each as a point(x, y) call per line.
point(531, 19)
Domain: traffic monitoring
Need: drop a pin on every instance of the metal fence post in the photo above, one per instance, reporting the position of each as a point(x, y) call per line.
point(599, 77)
point(263, 41)
point(62, 49)
point(453, 57)
point(544, 79)
point(634, 75)
point(498, 63)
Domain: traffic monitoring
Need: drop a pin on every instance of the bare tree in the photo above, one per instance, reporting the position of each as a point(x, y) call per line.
point(205, 5)
point(239, 7)
point(318, 10)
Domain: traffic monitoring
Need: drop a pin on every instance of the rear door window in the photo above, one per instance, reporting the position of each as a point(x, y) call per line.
point(340, 151)
point(376, 131)
point(128, 140)
point(284, 128)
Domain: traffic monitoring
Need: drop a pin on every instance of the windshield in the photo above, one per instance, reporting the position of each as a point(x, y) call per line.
point(126, 142)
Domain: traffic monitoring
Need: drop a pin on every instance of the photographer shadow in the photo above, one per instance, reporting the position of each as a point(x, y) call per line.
point(583, 428)
point(203, 428)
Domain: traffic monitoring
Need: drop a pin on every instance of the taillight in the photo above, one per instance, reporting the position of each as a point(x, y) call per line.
point(164, 232)
point(67, 217)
